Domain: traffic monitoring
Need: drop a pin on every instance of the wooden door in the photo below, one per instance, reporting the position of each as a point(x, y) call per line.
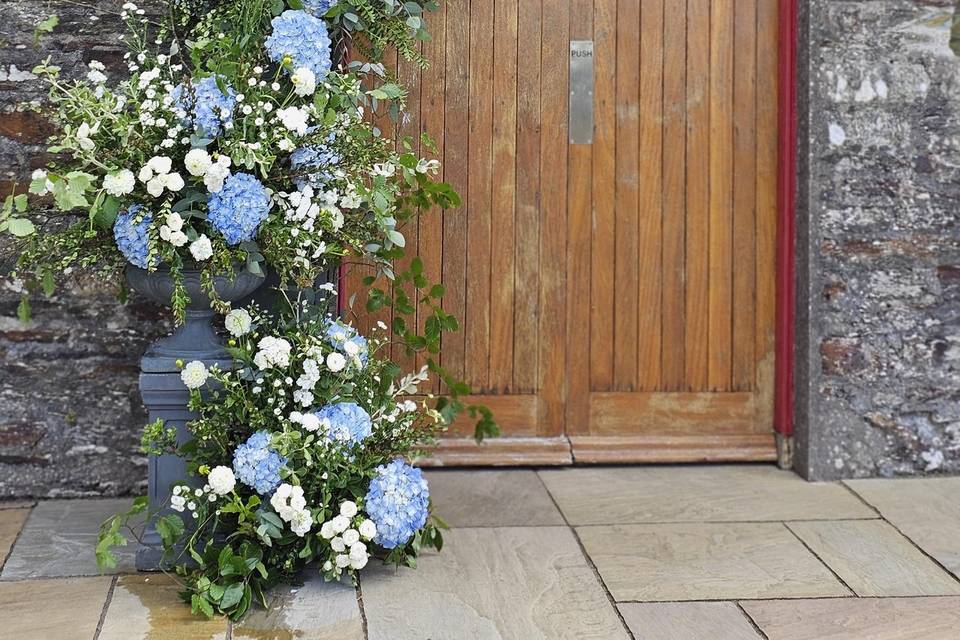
point(617, 298)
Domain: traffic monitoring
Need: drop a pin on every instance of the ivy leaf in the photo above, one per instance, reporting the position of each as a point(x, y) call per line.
point(47, 25)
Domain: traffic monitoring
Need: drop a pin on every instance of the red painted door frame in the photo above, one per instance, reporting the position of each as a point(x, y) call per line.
point(786, 201)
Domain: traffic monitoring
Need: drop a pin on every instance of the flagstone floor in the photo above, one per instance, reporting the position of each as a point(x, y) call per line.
point(603, 553)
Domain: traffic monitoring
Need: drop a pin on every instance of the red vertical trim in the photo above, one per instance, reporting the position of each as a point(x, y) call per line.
point(786, 200)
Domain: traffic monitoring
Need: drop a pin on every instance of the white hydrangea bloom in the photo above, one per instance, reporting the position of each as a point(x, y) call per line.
point(295, 119)
point(194, 375)
point(238, 322)
point(273, 352)
point(222, 480)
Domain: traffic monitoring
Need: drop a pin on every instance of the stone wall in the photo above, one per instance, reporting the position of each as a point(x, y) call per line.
point(70, 413)
point(879, 273)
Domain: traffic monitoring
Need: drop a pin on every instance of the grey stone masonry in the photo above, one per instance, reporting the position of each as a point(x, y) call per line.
point(879, 243)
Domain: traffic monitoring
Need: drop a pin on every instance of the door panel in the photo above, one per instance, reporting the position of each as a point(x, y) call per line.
point(617, 298)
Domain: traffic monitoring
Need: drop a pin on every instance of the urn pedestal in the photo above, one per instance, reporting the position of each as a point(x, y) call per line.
point(163, 393)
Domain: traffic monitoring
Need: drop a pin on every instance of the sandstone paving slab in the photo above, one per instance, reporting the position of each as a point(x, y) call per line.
point(63, 609)
point(858, 618)
point(873, 559)
point(146, 607)
point(926, 510)
point(59, 537)
point(11, 522)
point(687, 621)
point(316, 610)
point(492, 583)
point(706, 561)
point(492, 498)
point(728, 493)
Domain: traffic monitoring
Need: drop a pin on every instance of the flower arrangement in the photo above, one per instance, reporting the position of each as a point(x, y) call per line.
point(236, 142)
point(241, 140)
point(299, 456)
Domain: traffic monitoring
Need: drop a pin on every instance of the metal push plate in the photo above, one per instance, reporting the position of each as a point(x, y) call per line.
point(581, 92)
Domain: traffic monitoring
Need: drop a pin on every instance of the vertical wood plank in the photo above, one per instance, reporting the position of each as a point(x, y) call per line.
point(605, 144)
point(721, 194)
point(430, 239)
point(766, 225)
point(698, 186)
point(650, 210)
point(674, 194)
point(744, 194)
point(477, 320)
point(456, 117)
point(527, 293)
point(580, 204)
point(503, 249)
point(626, 250)
point(408, 73)
point(553, 227)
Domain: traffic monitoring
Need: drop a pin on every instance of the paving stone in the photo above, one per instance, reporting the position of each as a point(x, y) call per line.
point(11, 521)
point(317, 610)
point(59, 539)
point(741, 493)
point(874, 559)
point(492, 499)
point(858, 619)
point(492, 583)
point(66, 609)
point(706, 561)
point(687, 621)
point(925, 510)
point(146, 607)
point(16, 504)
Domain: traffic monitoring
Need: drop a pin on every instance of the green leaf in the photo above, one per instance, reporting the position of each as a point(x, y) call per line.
point(48, 283)
point(47, 25)
point(23, 309)
point(20, 202)
point(232, 595)
point(20, 227)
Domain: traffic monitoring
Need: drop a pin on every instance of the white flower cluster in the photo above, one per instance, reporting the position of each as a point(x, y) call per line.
point(238, 322)
point(201, 164)
point(185, 498)
point(347, 538)
point(306, 382)
point(172, 230)
point(272, 352)
point(158, 175)
point(291, 506)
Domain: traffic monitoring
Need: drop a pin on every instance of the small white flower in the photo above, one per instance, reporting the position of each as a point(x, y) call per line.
point(160, 164)
point(368, 529)
point(194, 375)
point(222, 480)
point(238, 322)
point(201, 249)
point(272, 352)
point(96, 76)
point(386, 169)
point(351, 348)
point(83, 136)
point(351, 537)
point(197, 161)
point(155, 186)
point(326, 531)
point(358, 562)
point(300, 522)
point(310, 422)
point(120, 183)
point(304, 81)
point(348, 509)
point(336, 362)
point(340, 524)
point(338, 545)
point(178, 238)
point(174, 221)
point(343, 561)
point(215, 175)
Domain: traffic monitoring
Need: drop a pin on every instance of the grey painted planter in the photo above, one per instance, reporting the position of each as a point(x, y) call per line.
point(164, 395)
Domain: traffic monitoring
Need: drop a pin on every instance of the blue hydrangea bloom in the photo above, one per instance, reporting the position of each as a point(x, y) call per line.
point(302, 37)
point(320, 158)
point(318, 7)
point(349, 422)
point(398, 501)
point(207, 106)
point(257, 465)
point(131, 236)
point(339, 333)
point(237, 210)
